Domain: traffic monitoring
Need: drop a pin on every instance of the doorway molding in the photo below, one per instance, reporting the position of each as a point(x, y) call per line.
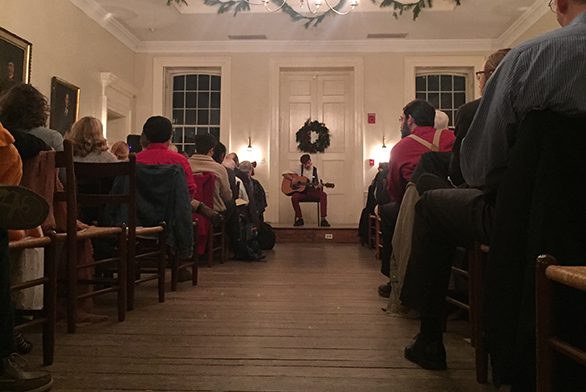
point(276, 65)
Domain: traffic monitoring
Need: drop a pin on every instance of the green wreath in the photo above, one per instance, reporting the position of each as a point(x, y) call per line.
point(304, 137)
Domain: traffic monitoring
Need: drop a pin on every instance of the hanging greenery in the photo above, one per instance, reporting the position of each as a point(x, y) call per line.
point(313, 137)
point(241, 5)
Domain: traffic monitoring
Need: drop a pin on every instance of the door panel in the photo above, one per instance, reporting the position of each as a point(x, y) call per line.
point(325, 96)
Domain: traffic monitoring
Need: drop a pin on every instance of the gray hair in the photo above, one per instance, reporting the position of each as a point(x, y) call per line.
point(245, 167)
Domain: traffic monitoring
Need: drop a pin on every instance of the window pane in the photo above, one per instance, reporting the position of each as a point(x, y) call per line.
point(177, 136)
point(459, 83)
point(433, 83)
point(459, 99)
point(190, 100)
point(178, 117)
point(202, 130)
point(216, 83)
point(421, 96)
point(203, 100)
point(214, 117)
point(178, 100)
point(191, 82)
point(433, 99)
point(215, 132)
point(446, 82)
point(204, 82)
point(189, 135)
point(189, 149)
point(190, 116)
point(450, 116)
point(215, 100)
point(178, 82)
point(446, 102)
point(203, 117)
point(420, 83)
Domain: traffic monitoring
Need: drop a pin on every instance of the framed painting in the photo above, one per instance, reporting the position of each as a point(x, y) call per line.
point(15, 60)
point(64, 105)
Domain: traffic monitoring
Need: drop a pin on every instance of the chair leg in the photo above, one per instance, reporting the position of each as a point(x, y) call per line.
point(71, 285)
point(543, 307)
point(174, 270)
point(476, 283)
point(122, 268)
point(195, 255)
point(130, 274)
point(223, 243)
point(211, 246)
point(50, 302)
point(161, 266)
point(318, 215)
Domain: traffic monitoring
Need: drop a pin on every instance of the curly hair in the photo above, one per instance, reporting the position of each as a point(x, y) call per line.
point(23, 107)
point(87, 135)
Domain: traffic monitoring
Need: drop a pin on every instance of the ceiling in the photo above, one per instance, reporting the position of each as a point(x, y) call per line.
point(151, 25)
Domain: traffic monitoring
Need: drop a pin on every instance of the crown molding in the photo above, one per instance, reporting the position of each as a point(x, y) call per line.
point(358, 46)
point(104, 19)
point(523, 23)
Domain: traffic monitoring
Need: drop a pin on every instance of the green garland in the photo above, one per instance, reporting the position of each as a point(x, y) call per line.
point(304, 136)
point(242, 5)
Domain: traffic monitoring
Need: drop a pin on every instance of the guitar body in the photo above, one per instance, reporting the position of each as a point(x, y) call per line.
point(288, 188)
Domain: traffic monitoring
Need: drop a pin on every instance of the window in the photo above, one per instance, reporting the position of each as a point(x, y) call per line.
point(444, 91)
point(195, 107)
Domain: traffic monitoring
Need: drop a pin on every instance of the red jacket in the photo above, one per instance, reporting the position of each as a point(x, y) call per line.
point(405, 156)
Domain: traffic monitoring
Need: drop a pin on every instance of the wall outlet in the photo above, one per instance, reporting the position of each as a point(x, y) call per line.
point(329, 236)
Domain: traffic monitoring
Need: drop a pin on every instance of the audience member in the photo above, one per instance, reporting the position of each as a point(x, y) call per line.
point(157, 133)
point(219, 153)
point(441, 120)
point(528, 78)
point(89, 143)
point(13, 375)
point(202, 162)
point(25, 109)
point(121, 150)
point(418, 137)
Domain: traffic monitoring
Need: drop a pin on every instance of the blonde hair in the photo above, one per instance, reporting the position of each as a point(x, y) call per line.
point(121, 150)
point(494, 60)
point(87, 135)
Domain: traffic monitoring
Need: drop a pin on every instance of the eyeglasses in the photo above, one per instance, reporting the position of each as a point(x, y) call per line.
point(552, 5)
point(485, 73)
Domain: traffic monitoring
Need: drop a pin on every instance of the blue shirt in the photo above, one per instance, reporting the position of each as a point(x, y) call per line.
point(547, 72)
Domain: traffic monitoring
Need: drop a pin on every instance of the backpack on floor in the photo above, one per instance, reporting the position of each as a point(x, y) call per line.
point(248, 249)
point(266, 236)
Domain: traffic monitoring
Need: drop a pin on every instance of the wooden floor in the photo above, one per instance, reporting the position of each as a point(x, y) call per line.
point(309, 319)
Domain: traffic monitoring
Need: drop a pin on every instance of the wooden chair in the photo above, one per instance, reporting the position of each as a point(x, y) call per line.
point(477, 257)
point(378, 238)
point(313, 200)
point(215, 237)
point(548, 276)
point(72, 237)
point(193, 262)
point(372, 231)
point(47, 315)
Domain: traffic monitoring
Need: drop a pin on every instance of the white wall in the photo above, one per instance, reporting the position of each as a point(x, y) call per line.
point(69, 45)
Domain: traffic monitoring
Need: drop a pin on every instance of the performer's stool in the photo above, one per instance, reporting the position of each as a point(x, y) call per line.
point(313, 200)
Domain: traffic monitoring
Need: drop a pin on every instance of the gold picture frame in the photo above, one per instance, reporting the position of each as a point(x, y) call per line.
point(64, 105)
point(15, 60)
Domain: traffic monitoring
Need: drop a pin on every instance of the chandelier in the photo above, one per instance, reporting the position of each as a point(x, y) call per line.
point(316, 5)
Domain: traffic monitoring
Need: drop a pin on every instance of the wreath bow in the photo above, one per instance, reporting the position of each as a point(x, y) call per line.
point(313, 137)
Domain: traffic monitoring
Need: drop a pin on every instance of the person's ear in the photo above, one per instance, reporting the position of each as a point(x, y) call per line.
point(562, 6)
point(410, 120)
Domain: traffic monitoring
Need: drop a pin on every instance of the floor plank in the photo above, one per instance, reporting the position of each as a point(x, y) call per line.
point(307, 319)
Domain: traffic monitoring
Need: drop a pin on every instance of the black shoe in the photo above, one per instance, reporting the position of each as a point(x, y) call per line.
point(15, 378)
point(324, 223)
point(429, 355)
point(21, 208)
point(298, 222)
point(384, 290)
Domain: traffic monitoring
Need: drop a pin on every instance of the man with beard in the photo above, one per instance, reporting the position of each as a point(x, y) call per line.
point(418, 136)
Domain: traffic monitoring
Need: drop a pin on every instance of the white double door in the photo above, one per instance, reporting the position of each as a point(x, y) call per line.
point(326, 96)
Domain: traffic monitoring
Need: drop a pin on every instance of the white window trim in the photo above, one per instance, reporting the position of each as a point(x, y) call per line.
point(415, 66)
point(160, 66)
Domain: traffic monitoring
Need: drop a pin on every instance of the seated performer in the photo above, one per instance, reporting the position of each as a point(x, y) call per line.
point(315, 191)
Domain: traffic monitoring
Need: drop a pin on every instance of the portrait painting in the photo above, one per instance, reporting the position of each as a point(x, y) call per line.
point(15, 60)
point(64, 105)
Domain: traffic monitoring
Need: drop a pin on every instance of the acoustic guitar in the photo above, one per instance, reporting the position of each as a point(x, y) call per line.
point(288, 188)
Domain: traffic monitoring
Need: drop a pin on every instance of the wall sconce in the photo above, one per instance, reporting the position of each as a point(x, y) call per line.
point(383, 153)
point(250, 153)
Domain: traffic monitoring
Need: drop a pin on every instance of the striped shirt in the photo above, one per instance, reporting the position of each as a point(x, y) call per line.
point(547, 72)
